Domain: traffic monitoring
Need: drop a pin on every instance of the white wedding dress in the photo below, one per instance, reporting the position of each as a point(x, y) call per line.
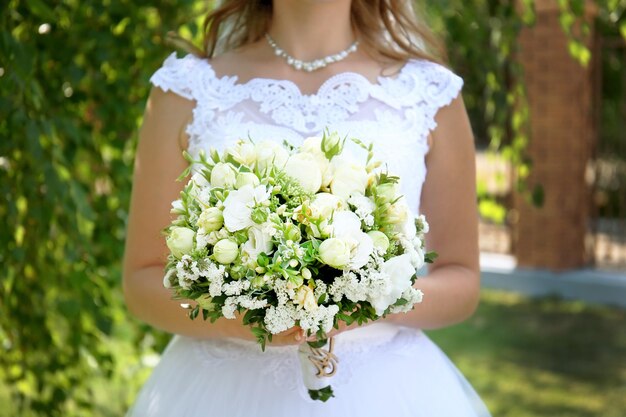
point(384, 370)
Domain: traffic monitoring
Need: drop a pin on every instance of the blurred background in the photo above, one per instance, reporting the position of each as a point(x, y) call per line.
point(546, 91)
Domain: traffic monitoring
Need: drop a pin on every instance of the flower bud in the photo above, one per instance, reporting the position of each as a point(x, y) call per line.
point(225, 251)
point(223, 175)
point(306, 273)
point(246, 178)
point(335, 252)
point(292, 232)
point(259, 215)
point(211, 219)
point(381, 241)
point(332, 145)
point(180, 241)
point(387, 192)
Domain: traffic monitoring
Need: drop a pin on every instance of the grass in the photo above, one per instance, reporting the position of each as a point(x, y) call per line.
point(525, 358)
point(542, 357)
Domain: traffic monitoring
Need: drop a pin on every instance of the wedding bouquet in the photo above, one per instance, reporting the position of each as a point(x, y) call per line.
point(288, 237)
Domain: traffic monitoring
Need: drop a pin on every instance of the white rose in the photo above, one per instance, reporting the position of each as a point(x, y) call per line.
point(348, 178)
point(223, 175)
point(270, 153)
point(246, 178)
point(303, 168)
point(306, 298)
point(243, 152)
point(258, 242)
point(313, 146)
point(325, 204)
point(335, 252)
point(225, 251)
point(210, 219)
point(180, 241)
point(239, 204)
point(399, 271)
point(380, 240)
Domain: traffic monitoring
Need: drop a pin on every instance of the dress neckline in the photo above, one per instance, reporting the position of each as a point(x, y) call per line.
point(330, 82)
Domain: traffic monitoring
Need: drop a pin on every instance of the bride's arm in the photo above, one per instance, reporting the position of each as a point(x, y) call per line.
point(158, 163)
point(451, 288)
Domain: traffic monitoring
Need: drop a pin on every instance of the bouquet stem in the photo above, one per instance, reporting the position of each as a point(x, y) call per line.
point(319, 366)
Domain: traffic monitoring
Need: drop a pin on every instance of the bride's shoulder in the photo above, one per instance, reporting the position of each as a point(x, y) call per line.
point(182, 75)
point(436, 77)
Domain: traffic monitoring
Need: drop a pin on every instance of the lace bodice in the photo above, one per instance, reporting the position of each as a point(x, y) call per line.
point(396, 114)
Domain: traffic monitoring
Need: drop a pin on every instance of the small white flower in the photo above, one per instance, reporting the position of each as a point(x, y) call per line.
point(239, 204)
point(259, 241)
point(347, 227)
point(399, 272)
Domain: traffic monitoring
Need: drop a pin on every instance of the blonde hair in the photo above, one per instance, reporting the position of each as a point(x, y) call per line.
point(387, 29)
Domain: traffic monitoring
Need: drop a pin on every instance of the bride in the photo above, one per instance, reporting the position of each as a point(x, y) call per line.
point(287, 70)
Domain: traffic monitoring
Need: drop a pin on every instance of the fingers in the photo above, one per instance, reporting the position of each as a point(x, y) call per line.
point(294, 336)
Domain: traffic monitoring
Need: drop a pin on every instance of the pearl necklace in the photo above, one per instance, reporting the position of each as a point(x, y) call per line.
point(310, 66)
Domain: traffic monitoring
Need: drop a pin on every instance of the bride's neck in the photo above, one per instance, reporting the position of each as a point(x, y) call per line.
point(310, 29)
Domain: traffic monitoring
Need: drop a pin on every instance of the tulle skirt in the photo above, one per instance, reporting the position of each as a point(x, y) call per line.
point(384, 370)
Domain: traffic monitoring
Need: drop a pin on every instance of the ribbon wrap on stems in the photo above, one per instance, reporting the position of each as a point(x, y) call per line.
point(319, 367)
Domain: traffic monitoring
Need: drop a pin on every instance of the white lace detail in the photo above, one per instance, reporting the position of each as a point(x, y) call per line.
point(282, 365)
point(396, 113)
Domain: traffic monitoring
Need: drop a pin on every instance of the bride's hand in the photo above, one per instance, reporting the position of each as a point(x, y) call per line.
point(293, 336)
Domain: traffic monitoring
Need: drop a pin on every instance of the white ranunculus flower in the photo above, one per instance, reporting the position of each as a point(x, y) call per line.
point(348, 178)
point(259, 241)
point(303, 167)
point(400, 271)
point(335, 252)
point(239, 204)
point(306, 298)
point(211, 219)
point(325, 204)
point(347, 227)
point(380, 240)
point(246, 178)
point(270, 153)
point(225, 251)
point(180, 241)
point(223, 175)
point(243, 152)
